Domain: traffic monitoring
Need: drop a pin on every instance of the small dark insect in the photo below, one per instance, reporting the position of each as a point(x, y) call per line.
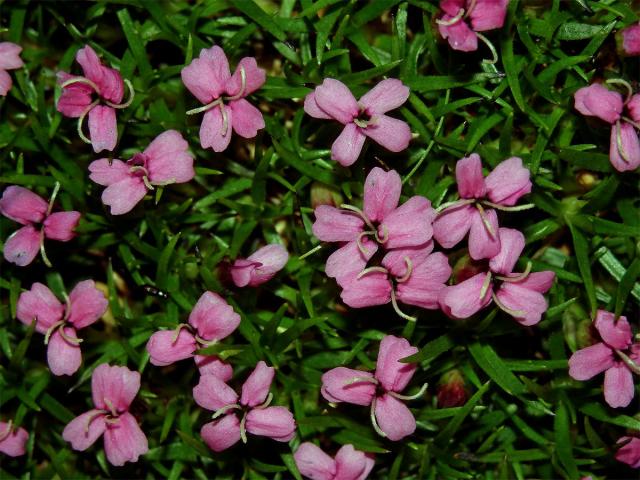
point(156, 292)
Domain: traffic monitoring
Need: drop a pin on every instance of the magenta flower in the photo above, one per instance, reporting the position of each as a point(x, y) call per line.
point(59, 323)
point(629, 453)
point(389, 415)
point(9, 60)
point(518, 294)
point(623, 116)
point(362, 118)
point(165, 161)
point(631, 40)
point(211, 320)
point(28, 209)
point(616, 355)
point(349, 464)
point(260, 267)
point(464, 19)
point(76, 99)
point(474, 213)
point(12, 440)
point(257, 418)
point(209, 79)
point(113, 389)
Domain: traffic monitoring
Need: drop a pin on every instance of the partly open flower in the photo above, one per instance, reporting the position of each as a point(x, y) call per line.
point(260, 267)
point(76, 100)
point(113, 389)
point(209, 79)
point(629, 451)
point(165, 161)
point(9, 60)
point(631, 40)
point(31, 210)
point(59, 323)
point(362, 118)
point(349, 463)
point(12, 440)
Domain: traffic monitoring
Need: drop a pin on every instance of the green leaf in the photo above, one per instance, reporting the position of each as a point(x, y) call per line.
point(136, 44)
point(487, 359)
point(581, 248)
point(564, 448)
point(258, 15)
point(454, 424)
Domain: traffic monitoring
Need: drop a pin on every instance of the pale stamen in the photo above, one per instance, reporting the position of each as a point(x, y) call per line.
point(112, 409)
point(410, 397)
point(4, 435)
point(471, 7)
point(510, 311)
point(83, 80)
point(635, 125)
point(407, 274)
point(243, 80)
point(518, 277)
point(177, 331)
point(68, 339)
point(222, 411)
point(400, 313)
point(225, 120)
point(81, 121)
point(621, 150)
point(204, 342)
point(266, 403)
point(633, 366)
point(206, 107)
point(494, 52)
point(456, 203)
point(67, 309)
point(625, 84)
point(374, 421)
point(360, 245)
point(485, 220)
point(91, 418)
point(515, 208)
point(451, 21)
point(51, 329)
point(360, 213)
point(385, 235)
point(132, 94)
point(43, 252)
point(369, 270)
point(485, 285)
point(243, 428)
point(310, 252)
point(54, 194)
point(354, 380)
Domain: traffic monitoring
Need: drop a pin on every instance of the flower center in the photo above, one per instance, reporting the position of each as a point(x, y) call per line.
point(245, 411)
point(364, 118)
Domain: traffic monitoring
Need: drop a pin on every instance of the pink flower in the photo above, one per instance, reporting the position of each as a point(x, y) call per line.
point(59, 323)
point(76, 99)
point(165, 161)
point(624, 117)
point(474, 213)
point(615, 355)
point(631, 40)
point(113, 390)
point(258, 417)
point(9, 60)
point(518, 294)
point(463, 19)
point(28, 209)
point(389, 415)
point(12, 440)
point(260, 267)
point(363, 118)
point(629, 453)
point(349, 464)
point(209, 79)
point(211, 320)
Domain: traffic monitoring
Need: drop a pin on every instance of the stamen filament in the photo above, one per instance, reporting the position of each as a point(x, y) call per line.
point(243, 428)
point(221, 411)
point(204, 342)
point(485, 220)
point(310, 252)
point(43, 252)
point(225, 120)
point(91, 418)
point(243, 80)
point(84, 80)
point(147, 183)
point(67, 302)
point(407, 274)
point(54, 194)
point(374, 422)
point(361, 246)
point(206, 107)
point(132, 95)
point(353, 380)
point(633, 366)
point(51, 330)
point(360, 213)
point(68, 339)
point(266, 403)
point(517, 278)
point(81, 121)
point(369, 270)
point(410, 397)
point(485, 285)
point(385, 235)
point(470, 8)
point(451, 21)
point(625, 84)
point(400, 313)
point(112, 409)
point(4, 435)
point(621, 150)
point(503, 307)
point(494, 52)
point(455, 203)
point(635, 125)
point(177, 331)
point(515, 208)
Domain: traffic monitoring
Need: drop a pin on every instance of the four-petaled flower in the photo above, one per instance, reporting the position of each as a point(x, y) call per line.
point(260, 267)
point(76, 99)
point(482, 15)
point(258, 418)
point(113, 389)
point(209, 79)
point(616, 355)
point(84, 306)
point(349, 464)
point(9, 60)
point(361, 118)
point(12, 440)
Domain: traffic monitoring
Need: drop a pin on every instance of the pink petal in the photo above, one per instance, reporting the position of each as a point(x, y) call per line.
point(242, 270)
point(221, 434)
point(394, 418)
point(22, 205)
point(616, 334)
point(14, 443)
point(22, 246)
point(213, 393)
point(207, 75)
point(114, 385)
point(260, 267)
point(426, 283)
point(381, 193)
point(124, 441)
point(213, 317)
point(508, 182)
point(107, 79)
point(598, 101)
point(464, 299)
point(313, 463)
point(348, 261)
point(633, 106)
point(311, 107)
point(336, 100)
point(103, 128)
point(630, 452)
point(84, 430)
point(256, 387)
point(88, 304)
point(211, 131)
point(537, 281)
point(452, 7)
point(589, 362)
point(39, 303)
point(212, 365)
point(393, 375)
point(90, 63)
point(388, 94)
point(64, 358)
point(459, 35)
point(469, 177)
point(273, 422)
point(342, 385)
point(336, 225)
point(511, 246)
point(10, 57)
point(626, 137)
point(488, 14)
point(247, 119)
point(482, 243)
point(122, 196)
point(254, 78)
point(60, 225)
point(618, 385)
point(392, 133)
point(370, 290)
point(106, 172)
point(631, 40)
point(352, 464)
point(75, 98)
point(453, 224)
point(164, 350)
point(396, 260)
point(515, 297)
point(5, 83)
point(347, 147)
point(408, 225)
point(169, 160)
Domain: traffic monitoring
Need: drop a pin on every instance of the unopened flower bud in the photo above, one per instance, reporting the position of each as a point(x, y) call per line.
point(323, 194)
point(451, 390)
